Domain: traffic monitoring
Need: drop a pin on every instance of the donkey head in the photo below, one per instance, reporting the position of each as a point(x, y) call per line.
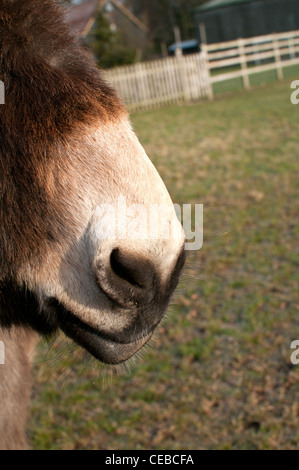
point(75, 253)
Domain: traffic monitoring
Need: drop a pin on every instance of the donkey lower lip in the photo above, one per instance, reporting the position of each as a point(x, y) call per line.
point(103, 347)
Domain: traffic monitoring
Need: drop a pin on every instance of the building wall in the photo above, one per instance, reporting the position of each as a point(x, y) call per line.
point(248, 19)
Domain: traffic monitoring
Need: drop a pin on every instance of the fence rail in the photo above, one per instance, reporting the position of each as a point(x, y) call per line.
point(186, 78)
point(250, 56)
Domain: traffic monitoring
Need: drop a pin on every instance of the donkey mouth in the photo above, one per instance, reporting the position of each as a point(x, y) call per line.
point(103, 347)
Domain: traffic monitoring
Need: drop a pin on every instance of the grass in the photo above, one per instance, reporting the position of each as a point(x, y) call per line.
point(218, 373)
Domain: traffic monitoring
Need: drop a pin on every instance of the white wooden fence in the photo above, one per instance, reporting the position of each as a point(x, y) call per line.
point(191, 77)
point(159, 82)
point(244, 57)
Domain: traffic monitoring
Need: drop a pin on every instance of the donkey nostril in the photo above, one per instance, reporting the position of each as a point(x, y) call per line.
point(128, 268)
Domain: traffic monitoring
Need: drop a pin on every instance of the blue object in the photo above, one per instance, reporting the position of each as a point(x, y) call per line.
point(186, 46)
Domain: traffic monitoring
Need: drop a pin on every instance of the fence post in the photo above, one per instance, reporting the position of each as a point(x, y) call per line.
point(205, 57)
point(243, 62)
point(183, 71)
point(278, 63)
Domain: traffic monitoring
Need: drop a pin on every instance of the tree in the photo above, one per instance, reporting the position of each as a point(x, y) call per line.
point(108, 46)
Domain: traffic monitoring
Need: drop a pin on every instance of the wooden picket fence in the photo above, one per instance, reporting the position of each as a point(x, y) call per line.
point(159, 82)
point(190, 78)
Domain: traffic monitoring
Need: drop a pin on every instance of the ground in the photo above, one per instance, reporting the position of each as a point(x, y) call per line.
point(218, 373)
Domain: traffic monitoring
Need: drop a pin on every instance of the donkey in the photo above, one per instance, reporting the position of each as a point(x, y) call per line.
point(67, 149)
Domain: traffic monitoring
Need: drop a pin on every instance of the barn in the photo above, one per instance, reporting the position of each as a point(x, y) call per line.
point(226, 20)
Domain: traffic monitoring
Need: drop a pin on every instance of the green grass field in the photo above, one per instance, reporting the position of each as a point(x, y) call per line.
point(217, 374)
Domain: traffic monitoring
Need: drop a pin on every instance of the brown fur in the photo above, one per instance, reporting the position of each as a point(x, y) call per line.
point(51, 88)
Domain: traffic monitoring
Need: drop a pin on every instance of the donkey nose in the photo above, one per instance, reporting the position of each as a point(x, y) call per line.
point(126, 276)
point(131, 270)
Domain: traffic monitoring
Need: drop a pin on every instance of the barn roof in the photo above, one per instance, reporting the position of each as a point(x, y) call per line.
point(81, 16)
point(213, 4)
